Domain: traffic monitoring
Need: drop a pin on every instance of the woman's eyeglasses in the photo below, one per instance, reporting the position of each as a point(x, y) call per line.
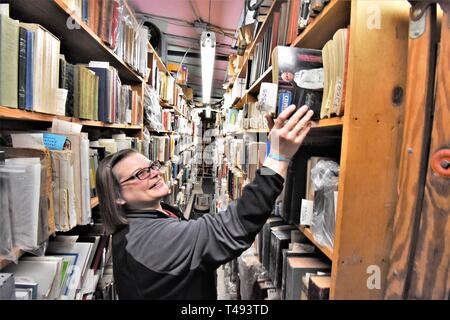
point(144, 173)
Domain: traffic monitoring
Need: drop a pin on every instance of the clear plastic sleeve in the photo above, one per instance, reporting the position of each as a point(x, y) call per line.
point(6, 236)
point(325, 177)
point(20, 217)
point(250, 271)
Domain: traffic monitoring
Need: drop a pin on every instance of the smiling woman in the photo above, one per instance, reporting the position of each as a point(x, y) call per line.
point(157, 253)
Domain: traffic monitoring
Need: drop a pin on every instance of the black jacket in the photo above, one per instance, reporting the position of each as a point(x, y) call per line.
point(159, 257)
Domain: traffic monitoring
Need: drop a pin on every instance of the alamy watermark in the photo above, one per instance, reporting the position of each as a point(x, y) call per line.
point(374, 279)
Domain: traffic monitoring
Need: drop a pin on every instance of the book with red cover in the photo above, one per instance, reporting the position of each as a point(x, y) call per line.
point(293, 21)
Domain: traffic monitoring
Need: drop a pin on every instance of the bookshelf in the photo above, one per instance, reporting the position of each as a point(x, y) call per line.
point(368, 136)
point(54, 16)
point(249, 50)
point(325, 250)
point(330, 122)
point(335, 15)
point(79, 44)
point(22, 115)
point(251, 93)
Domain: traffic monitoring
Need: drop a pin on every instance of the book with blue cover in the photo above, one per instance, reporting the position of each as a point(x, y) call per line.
point(299, 75)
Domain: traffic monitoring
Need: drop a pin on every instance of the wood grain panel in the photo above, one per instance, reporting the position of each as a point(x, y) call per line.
point(412, 164)
point(431, 272)
point(371, 142)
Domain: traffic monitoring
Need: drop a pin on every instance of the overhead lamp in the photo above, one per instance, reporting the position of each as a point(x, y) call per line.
point(208, 52)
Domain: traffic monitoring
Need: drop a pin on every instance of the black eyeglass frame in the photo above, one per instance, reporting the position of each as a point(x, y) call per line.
point(155, 165)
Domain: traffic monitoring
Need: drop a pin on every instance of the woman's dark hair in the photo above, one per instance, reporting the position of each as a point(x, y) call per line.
point(108, 191)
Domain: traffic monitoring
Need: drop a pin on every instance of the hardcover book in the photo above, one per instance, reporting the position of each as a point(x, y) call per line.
point(299, 75)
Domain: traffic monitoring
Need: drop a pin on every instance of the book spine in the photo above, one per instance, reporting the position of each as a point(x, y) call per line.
point(30, 72)
point(70, 89)
point(22, 68)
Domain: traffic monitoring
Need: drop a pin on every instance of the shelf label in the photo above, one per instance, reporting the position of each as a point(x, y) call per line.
point(306, 212)
point(54, 141)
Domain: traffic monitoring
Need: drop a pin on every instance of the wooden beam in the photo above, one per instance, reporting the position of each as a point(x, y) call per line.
point(371, 139)
point(413, 158)
point(430, 277)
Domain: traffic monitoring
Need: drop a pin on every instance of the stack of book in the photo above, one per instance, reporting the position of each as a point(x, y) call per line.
point(335, 61)
point(117, 28)
point(29, 64)
point(161, 148)
point(70, 269)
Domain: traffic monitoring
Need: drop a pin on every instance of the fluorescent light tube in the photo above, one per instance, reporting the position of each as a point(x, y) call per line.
point(208, 52)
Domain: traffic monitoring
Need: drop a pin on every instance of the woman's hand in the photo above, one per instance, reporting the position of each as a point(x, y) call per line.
point(286, 136)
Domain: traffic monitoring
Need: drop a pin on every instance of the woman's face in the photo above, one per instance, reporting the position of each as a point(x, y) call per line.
point(140, 194)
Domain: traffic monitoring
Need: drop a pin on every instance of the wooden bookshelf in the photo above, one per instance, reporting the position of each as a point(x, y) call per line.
point(330, 122)
point(260, 34)
point(161, 131)
point(369, 135)
point(22, 115)
point(252, 92)
point(16, 252)
point(94, 202)
point(265, 77)
point(335, 15)
point(79, 43)
point(324, 249)
point(159, 62)
point(166, 105)
point(257, 130)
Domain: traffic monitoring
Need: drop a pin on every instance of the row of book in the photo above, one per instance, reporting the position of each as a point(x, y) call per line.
point(165, 148)
point(310, 193)
point(117, 28)
point(294, 16)
point(48, 181)
point(262, 54)
point(159, 119)
point(35, 77)
point(29, 64)
point(70, 270)
point(95, 92)
point(170, 92)
point(311, 77)
point(291, 262)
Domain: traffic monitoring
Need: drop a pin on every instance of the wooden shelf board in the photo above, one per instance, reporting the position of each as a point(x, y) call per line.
point(22, 115)
point(160, 131)
point(253, 91)
point(325, 250)
point(94, 202)
point(166, 105)
point(257, 130)
point(331, 122)
point(3, 262)
point(248, 131)
point(335, 15)
point(265, 77)
point(159, 62)
point(79, 43)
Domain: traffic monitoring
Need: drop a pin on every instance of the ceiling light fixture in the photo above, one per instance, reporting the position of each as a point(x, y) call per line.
point(208, 52)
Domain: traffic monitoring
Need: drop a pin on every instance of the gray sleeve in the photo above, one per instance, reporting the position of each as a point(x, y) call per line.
point(174, 247)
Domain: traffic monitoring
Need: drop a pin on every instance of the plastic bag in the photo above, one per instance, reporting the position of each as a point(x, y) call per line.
point(250, 271)
point(6, 234)
point(325, 177)
point(20, 216)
